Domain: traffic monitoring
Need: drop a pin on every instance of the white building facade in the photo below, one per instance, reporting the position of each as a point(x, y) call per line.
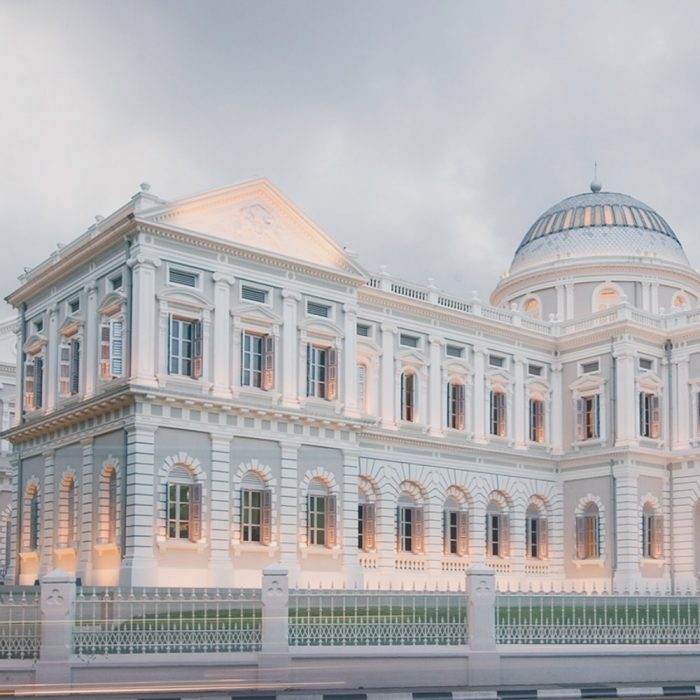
point(211, 385)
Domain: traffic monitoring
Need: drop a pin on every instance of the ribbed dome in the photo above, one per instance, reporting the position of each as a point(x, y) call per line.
point(598, 224)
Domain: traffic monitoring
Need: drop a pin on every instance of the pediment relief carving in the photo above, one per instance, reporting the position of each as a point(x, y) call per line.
point(34, 343)
point(70, 326)
point(650, 380)
point(112, 303)
point(184, 297)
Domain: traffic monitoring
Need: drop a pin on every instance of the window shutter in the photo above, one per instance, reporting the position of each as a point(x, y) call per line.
point(361, 386)
point(266, 516)
point(268, 381)
point(596, 412)
point(75, 367)
point(657, 536)
point(417, 531)
point(459, 406)
point(596, 536)
point(331, 524)
point(462, 533)
point(105, 351)
point(398, 528)
point(332, 376)
point(309, 371)
point(487, 532)
point(580, 419)
point(580, 537)
point(404, 411)
point(29, 384)
point(504, 535)
point(112, 508)
point(117, 348)
point(368, 527)
point(655, 418)
point(64, 369)
point(543, 544)
point(445, 531)
point(38, 382)
point(172, 362)
point(196, 512)
point(196, 349)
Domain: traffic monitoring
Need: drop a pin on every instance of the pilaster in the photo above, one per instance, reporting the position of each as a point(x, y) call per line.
point(90, 347)
point(289, 511)
point(290, 393)
point(88, 514)
point(143, 317)
point(626, 405)
point(386, 393)
point(681, 425)
point(627, 527)
point(222, 335)
point(520, 413)
point(556, 409)
point(220, 569)
point(350, 356)
point(47, 520)
point(434, 386)
point(479, 405)
point(50, 379)
point(348, 543)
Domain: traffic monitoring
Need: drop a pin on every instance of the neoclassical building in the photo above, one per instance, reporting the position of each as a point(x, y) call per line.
point(210, 385)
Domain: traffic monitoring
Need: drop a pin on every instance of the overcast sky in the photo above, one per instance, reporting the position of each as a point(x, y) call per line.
point(428, 135)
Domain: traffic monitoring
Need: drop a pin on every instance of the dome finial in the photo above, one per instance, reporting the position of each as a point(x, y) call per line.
point(595, 185)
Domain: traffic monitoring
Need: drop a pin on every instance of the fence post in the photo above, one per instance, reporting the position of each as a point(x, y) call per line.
point(484, 660)
point(274, 656)
point(57, 619)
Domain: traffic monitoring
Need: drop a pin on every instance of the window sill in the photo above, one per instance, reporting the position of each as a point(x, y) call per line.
point(650, 442)
point(182, 381)
point(319, 550)
point(240, 548)
point(103, 548)
point(648, 561)
point(30, 555)
point(599, 563)
point(178, 545)
point(590, 442)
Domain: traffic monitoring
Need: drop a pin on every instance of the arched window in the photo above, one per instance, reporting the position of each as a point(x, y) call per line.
point(588, 533)
point(532, 307)
point(497, 407)
point(536, 540)
point(652, 532)
point(67, 513)
point(256, 510)
point(536, 414)
point(606, 297)
point(409, 524)
point(455, 405)
point(184, 505)
point(366, 523)
point(408, 396)
point(321, 515)
point(455, 528)
point(497, 529)
point(31, 518)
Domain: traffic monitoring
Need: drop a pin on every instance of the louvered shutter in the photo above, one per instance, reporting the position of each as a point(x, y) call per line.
point(266, 516)
point(504, 535)
point(657, 536)
point(543, 545)
point(361, 386)
point(64, 369)
point(445, 531)
point(596, 536)
point(331, 524)
point(580, 537)
point(462, 533)
point(368, 527)
point(580, 419)
point(404, 409)
point(172, 362)
point(459, 406)
point(117, 348)
point(309, 370)
point(38, 382)
point(655, 418)
point(398, 529)
point(29, 384)
point(268, 381)
point(105, 351)
point(196, 512)
point(196, 349)
point(331, 374)
point(417, 530)
point(112, 508)
point(75, 367)
point(596, 411)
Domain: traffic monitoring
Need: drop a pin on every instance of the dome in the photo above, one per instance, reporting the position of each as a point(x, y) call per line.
point(598, 225)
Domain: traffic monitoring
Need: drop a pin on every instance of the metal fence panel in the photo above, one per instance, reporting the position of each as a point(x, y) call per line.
point(20, 622)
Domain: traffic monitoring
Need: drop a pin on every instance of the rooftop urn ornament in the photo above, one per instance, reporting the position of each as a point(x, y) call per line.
point(595, 185)
point(145, 186)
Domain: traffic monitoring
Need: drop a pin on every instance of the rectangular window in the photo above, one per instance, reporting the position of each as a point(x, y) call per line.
point(408, 396)
point(496, 361)
point(315, 309)
point(34, 522)
point(74, 306)
point(254, 294)
point(253, 351)
point(454, 351)
point(183, 278)
point(409, 341)
point(646, 364)
point(363, 330)
point(116, 282)
point(185, 348)
point(111, 349)
point(498, 413)
point(455, 532)
point(112, 508)
point(321, 372)
point(537, 420)
point(33, 383)
point(69, 368)
point(536, 537)
point(409, 529)
point(455, 406)
point(590, 367)
point(652, 536)
point(497, 535)
point(321, 520)
point(649, 416)
point(184, 509)
point(588, 536)
point(365, 527)
point(588, 417)
point(535, 370)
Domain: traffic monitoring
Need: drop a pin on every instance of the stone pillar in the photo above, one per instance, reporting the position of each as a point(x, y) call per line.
point(289, 511)
point(477, 522)
point(88, 523)
point(682, 427)
point(385, 528)
point(627, 528)
point(274, 656)
point(16, 498)
point(143, 318)
point(50, 379)
point(350, 356)
point(386, 386)
point(556, 411)
point(435, 422)
point(484, 661)
point(520, 405)
point(220, 568)
point(57, 617)
point(480, 407)
point(569, 287)
point(90, 347)
point(139, 565)
point(646, 296)
point(433, 536)
point(47, 520)
point(221, 377)
point(348, 529)
point(627, 410)
point(290, 390)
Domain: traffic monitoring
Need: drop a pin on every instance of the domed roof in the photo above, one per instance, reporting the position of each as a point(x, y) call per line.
point(598, 224)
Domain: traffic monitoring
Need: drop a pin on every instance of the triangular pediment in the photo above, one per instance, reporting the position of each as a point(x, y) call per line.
point(256, 215)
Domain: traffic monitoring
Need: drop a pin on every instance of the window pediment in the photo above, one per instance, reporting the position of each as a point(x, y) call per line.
point(457, 366)
point(650, 380)
point(112, 303)
point(537, 385)
point(316, 326)
point(498, 378)
point(184, 297)
point(587, 384)
point(70, 326)
point(256, 314)
point(367, 345)
point(34, 343)
point(410, 358)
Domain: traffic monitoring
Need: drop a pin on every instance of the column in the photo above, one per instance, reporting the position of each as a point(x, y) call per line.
point(16, 498)
point(90, 345)
point(681, 423)
point(47, 521)
point(143, 320)
point(560, 309)
point(433, 536)
point(434, 386)
point(627, 526)
point(220, 568)
point(626, 408)
point(479, 405)
point(555, 411)
point(221, 377)
point(139, 566)
point(386, 391)
point(50, 379)
point(350, 357)
point(290, 392)
point(646, 296)
point(477, 523)
point(348, 542)
point(289, 511)
point(385, 528)
point(520, 405)
point(569, 290)
point(88, 521)
point(655, 297)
